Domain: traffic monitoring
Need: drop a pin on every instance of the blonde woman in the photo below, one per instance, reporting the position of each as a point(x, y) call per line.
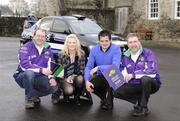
point(73, 84)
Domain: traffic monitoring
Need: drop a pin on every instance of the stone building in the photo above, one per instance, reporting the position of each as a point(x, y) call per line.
point(159, 16)
point(123, 16)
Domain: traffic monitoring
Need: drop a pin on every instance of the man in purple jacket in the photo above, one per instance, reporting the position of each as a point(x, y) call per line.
point(33, 73)
point(139, 67)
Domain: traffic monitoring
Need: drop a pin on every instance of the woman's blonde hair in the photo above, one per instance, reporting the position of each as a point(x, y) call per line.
point(79, 51)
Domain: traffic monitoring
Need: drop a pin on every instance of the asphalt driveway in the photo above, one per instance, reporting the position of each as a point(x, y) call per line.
point(164, 105)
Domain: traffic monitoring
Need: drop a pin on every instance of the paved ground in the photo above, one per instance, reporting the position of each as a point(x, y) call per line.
point(164, 105)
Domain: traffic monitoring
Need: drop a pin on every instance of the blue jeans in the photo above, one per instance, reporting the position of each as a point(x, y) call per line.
point(35, 86)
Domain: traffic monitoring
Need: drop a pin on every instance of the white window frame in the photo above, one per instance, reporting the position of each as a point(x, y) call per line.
point(176, 10)
point(153, 2)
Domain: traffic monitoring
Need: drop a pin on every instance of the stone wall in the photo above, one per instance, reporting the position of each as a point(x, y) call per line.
point(11, 26)
point(163, 29)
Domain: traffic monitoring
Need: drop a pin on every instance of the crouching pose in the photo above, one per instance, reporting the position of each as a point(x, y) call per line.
point(72, 84)
point(140, 72)
point(33, 73)
point(103, 55)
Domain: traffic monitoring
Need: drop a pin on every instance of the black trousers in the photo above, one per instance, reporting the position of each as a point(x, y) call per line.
point(102, 89)
point(138, 92)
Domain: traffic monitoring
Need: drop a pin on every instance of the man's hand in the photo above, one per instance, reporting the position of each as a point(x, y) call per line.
point(52, 82)
point(89, 86)
point(46, 71)
point(128, 77)
point(94, 70)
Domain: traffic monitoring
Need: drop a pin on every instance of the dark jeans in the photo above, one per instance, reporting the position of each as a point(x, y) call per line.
point(35, 86)
point(102, 89)
point(138, 92)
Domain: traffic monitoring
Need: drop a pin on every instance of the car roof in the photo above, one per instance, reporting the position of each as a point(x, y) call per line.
point(70, 18)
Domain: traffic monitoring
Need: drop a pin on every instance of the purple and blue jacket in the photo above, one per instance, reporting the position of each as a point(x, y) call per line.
point(145, 65)
point(30, 59)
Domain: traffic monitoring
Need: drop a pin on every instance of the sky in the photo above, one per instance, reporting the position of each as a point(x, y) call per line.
point(4, 2)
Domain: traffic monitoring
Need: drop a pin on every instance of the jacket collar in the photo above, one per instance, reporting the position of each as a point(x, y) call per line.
point(45, 44)
point(128, 52)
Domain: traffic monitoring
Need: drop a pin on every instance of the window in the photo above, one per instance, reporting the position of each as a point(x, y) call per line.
point(153, 9)
point(80, 27)
point(46, 24)
point(177, 9)
point(59, 26)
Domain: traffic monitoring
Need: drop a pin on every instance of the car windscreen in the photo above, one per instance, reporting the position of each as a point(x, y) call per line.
point(83, 27)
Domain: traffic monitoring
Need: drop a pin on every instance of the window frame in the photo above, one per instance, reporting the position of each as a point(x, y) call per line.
point(56, 30)
point(151, 2)
point(175, 11)
point(49, 25)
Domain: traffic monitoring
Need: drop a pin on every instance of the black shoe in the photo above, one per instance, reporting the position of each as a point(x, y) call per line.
point(37, 100)
point(102, 102)
point(77, 100)
point(66, 99)
point(107, 106)
point(136, 107)
point(88, 95)
point(141, 112)
point(55, 99)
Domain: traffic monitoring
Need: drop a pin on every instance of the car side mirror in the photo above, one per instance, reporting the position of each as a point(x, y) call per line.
point(67, 31)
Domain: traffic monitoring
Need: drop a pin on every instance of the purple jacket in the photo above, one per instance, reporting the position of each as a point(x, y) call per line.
point(146, 64)
point(30, 59)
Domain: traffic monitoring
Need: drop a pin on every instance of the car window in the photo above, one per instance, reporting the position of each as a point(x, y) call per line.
point(82, 27)
point(59, 26)
point(46, 24)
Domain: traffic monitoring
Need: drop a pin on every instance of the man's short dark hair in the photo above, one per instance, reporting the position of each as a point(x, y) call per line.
point(104, 33)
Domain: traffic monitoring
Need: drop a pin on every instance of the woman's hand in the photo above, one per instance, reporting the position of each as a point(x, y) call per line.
point(52, 82)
